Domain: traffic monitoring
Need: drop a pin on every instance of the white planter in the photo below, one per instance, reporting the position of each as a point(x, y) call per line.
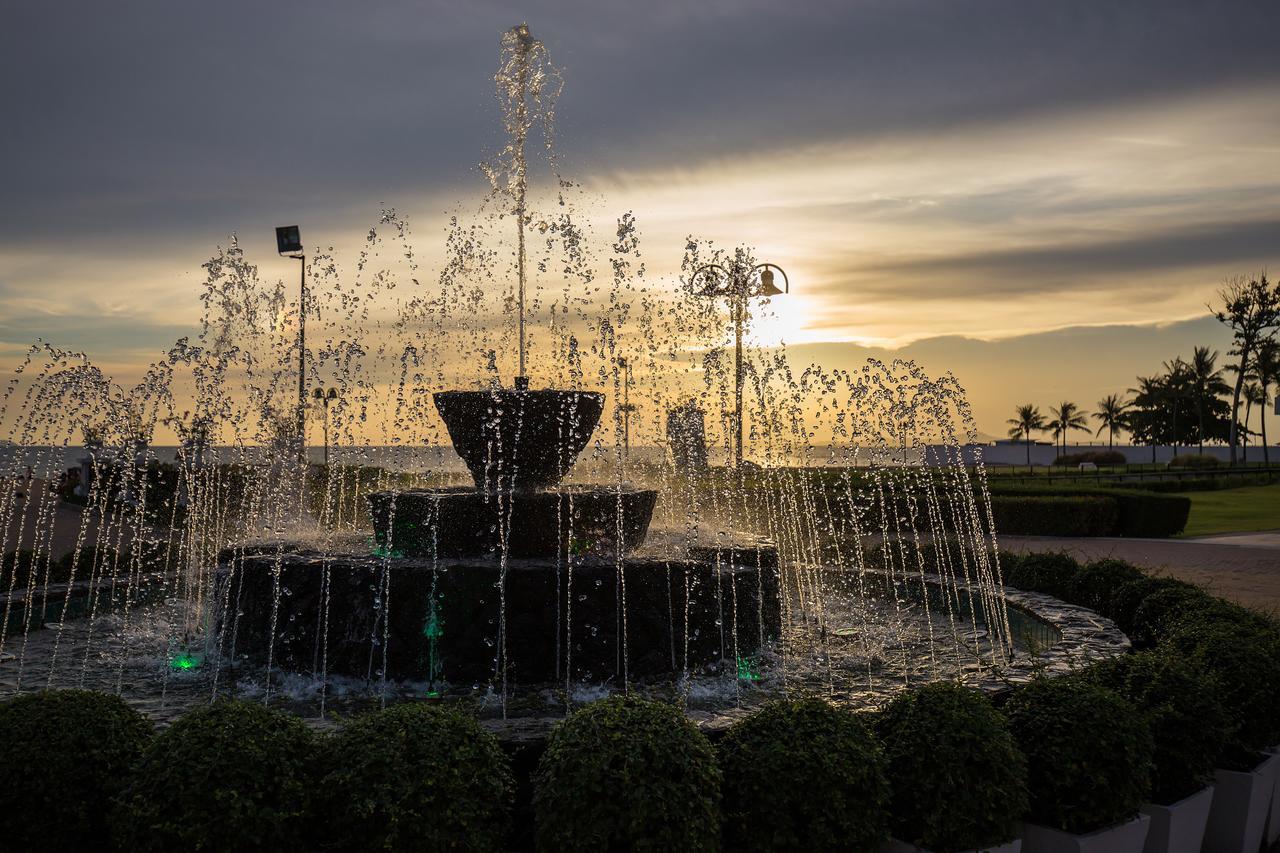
point(1127, 837)
point(1239, 812)
point(1272, 765)
point(1178, 828)
point(893, 845)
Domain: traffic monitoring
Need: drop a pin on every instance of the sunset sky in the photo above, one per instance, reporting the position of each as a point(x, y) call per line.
point(1040, 197)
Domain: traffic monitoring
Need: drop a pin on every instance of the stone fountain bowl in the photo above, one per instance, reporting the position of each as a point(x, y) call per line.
point(516, 440)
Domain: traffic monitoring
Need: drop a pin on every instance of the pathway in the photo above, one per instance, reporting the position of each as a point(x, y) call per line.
point(1242, 567)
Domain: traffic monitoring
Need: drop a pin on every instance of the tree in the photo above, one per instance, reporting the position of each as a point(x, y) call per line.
point(1207, 388)
point(1068, 416)
point(1144, 416)
point(1110, 416)
point(1027, 420)
point(1178, 386)
point(1266, 372)
point(1252, 311)
point(1252, 394)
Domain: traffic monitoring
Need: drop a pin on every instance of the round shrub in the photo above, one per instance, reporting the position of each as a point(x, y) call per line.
point(1244, 662)
point(226, 777)
point(415, 777)
point(1159, 611)
point(1095, 584)
point(1125, 600)
point(1088, 753)
point(1189, 727)
point(627, 774)
point(803, 775)
point(1049, 573)
point(63, 756)
point(958, 779)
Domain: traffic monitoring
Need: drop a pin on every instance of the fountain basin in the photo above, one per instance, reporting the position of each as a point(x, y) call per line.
point(442, 620)
point(459, 522)
point(518, 440)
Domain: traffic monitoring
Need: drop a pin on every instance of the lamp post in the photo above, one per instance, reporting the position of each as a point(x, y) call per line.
point(626, 408)
point(325, 398)
point(289, 244)
point(738, 286)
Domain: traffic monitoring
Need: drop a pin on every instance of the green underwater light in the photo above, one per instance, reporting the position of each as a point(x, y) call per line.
point(747, 670)
point(184, 661)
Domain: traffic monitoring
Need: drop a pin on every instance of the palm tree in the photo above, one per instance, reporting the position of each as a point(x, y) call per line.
point(1177, 387)
point(1110, 416)
point(1068, 416)
point(1206, 384)
point(1266, 372)
point(1027, 420)
point(1145, 419)
point(1252, 394)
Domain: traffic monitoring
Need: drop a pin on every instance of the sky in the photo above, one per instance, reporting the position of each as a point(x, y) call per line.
point(1039, 197)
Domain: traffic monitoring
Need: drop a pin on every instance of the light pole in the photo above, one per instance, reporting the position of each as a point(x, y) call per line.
point(738, 287)
point(626, 408)
point(325, 398)
point(289, 244)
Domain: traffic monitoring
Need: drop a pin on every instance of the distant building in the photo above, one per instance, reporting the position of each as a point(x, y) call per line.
point(687, 436)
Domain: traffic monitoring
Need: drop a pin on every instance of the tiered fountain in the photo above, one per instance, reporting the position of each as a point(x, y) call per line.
point(518, 578)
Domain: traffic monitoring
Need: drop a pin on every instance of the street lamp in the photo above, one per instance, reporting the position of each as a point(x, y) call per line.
point(738, 286)
point(289, 244)
point(626, 408)
point(325, 398)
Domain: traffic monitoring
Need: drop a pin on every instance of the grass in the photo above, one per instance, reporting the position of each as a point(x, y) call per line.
point(1234, 510)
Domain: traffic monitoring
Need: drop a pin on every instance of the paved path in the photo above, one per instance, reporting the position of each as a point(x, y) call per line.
point(1242, 567)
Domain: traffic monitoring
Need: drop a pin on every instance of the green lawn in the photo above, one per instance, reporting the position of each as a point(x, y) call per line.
point(1234, 510)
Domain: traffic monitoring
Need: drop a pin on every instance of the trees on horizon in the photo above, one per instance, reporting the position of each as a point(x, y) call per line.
point(1190, 402)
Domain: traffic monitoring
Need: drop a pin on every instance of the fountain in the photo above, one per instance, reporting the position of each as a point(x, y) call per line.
point(522, 546)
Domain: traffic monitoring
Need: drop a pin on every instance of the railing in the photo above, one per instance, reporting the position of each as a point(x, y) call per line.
point(1113, 474)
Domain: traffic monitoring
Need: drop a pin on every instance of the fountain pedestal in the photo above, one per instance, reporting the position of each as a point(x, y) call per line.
point(517, 579)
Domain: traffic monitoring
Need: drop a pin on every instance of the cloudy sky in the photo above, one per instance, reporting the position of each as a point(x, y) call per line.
point(1040, 197)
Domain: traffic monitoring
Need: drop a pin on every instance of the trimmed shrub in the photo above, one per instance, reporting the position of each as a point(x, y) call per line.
point(1156, 614)
point(803, 775)
point(1189, 727)
point(1097, 457)
point(627, 774)
point(1127, 597)
point(227, 777)
point(1095, 584)
point(958, 779)
point(1048, 572)
point(415, 777)
point(1244, 661)
point(1054, 516)
point(63, 755)
point(1082, 775)
point(1148, 515)
point(1194, 460)
point(1139, 513)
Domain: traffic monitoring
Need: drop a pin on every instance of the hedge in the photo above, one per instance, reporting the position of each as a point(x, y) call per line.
point(414, 777)
point(627, 774)
point(1082, 776)
point(230, 776)
point(64, 755)
point(959, 781)
point(803, 775)
point(1054, 516)
point(1139, 513)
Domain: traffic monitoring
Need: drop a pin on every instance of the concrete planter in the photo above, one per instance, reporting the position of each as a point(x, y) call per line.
point(1127, 837)
point(1238, 817)
point(893, 845)
point(1178, 828)
point(1273, 819)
